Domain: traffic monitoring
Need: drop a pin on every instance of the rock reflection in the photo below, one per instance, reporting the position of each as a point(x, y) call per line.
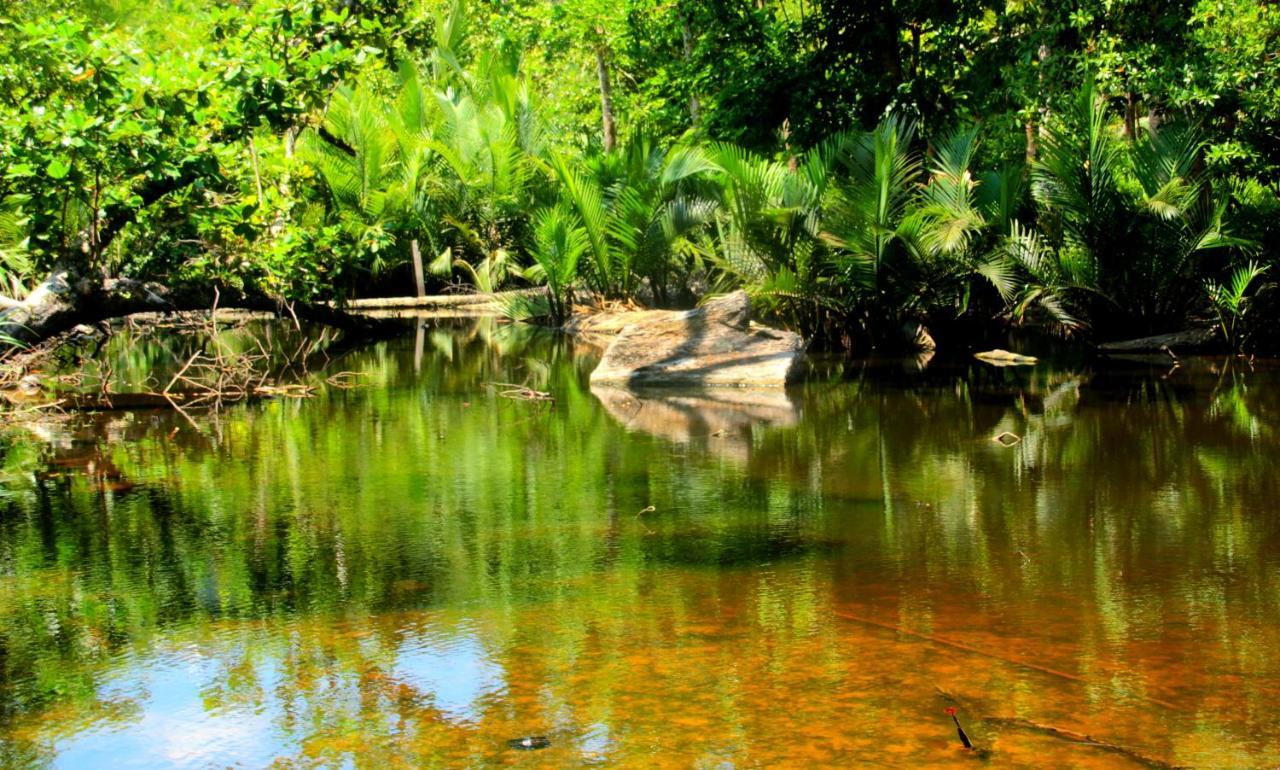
point(721, 419)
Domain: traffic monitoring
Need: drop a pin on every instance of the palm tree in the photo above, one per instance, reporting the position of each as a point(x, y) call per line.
point(372, 176)
point(15, 262)
point(1126, 230)
point(642, 208)
point(770, 235)
point(559, 241)
point(857, 233)
point(913, 236)
point(451, 162)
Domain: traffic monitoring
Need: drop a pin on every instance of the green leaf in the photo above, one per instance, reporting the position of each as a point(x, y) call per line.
point(58, 168)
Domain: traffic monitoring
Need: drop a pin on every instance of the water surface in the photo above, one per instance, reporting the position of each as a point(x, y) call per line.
point(416, 571)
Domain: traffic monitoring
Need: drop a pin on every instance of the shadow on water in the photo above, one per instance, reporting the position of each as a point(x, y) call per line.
point(419, 570)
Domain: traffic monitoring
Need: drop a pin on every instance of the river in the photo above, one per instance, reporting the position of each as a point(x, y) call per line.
point(417, 571)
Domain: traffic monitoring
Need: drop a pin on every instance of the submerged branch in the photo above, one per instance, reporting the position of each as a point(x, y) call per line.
point(987, 654)
point(1075, 737)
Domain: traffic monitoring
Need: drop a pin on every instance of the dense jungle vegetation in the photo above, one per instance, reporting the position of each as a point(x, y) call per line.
point(1099, 169)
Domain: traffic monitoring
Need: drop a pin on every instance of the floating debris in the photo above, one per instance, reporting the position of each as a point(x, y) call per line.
point(521, 392)
point(1007, 439)
point(530, 743)
point(642, 512)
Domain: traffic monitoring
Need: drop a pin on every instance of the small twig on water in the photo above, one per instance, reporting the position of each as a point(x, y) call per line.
point(1007, 439)
point(521, 392)
point(344, 380)
point(641, 512)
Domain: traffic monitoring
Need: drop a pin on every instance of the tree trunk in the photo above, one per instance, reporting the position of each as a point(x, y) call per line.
point(888, 46)
point(417, 268)
point(1130, 116)
point(686, 31)
point(606, 98)
point(1033, 148)
point(65, 300)
point(257, 171)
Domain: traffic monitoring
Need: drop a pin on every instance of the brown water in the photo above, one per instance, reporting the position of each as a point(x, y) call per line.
point(415, 572)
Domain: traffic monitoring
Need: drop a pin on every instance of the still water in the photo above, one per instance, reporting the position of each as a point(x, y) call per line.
point(417, 571)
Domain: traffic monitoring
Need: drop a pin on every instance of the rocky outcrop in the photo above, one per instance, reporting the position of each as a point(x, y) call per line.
point(715, 345)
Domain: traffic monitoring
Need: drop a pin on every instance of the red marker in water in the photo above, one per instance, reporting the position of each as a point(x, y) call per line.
point(951, 712)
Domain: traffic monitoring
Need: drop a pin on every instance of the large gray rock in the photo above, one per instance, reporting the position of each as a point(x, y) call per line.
point(715, 345)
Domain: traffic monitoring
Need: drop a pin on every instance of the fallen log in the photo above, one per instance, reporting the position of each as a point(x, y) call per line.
point(66, 300)
point(1203, 340)
point(476, 303)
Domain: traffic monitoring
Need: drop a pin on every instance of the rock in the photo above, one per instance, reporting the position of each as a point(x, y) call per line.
point(1000, 357)
point(715, 345)
point(598, 329)
point(918, 337)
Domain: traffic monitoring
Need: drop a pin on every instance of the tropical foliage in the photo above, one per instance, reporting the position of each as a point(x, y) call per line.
point(319, 150)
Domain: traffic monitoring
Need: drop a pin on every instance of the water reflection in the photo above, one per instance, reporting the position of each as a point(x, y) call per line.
point(454, 672)
point(721, 419)
point(415, 572)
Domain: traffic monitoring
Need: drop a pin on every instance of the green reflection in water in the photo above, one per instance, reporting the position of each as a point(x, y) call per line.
point(416, 571)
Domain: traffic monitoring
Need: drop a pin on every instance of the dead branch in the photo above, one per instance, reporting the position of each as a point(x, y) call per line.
point(521, 392)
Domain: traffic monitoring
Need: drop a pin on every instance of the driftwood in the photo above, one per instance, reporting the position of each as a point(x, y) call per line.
point(212, 376)
point(1189, 341)
point(1000, 357)
point(106, 402)
point(65, 300)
